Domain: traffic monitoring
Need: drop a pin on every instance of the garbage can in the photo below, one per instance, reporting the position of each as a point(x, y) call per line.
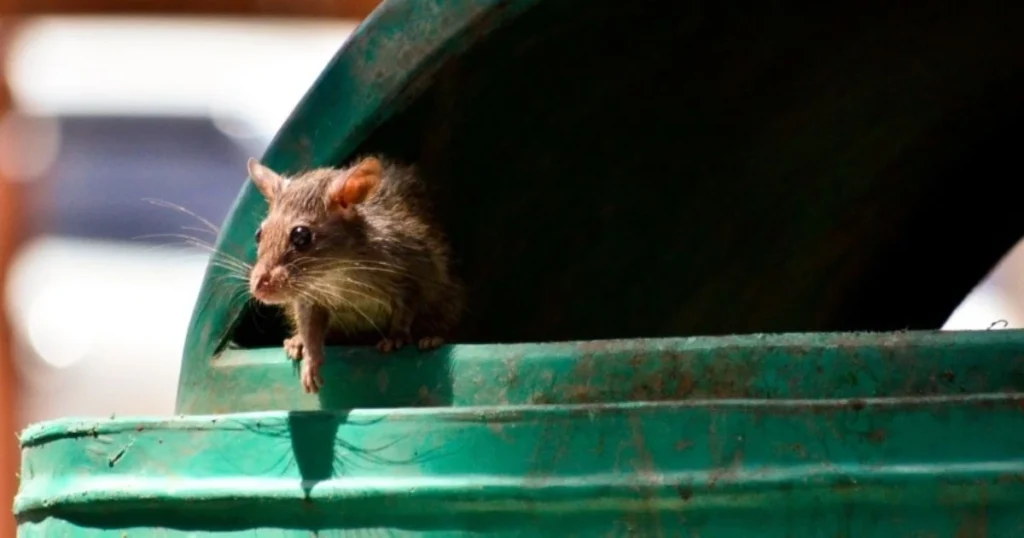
point(616, 177)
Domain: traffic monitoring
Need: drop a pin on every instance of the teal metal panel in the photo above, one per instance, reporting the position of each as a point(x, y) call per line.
point(844, 441)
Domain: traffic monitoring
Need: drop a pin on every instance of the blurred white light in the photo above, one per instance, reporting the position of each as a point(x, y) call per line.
point(71, 342)
point(998, 301)
point(254, 70)
point(110, 314)
point(983, 309)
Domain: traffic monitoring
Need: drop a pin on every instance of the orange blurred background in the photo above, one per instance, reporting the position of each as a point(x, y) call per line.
point(105, 104)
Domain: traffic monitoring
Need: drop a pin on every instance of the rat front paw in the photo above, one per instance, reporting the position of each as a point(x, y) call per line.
point(387, 345)
point(430, 342)
point(293, 348)
point(310, 376)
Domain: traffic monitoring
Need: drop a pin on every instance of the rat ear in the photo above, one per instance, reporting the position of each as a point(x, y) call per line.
point(266, 180)
point(357, 185)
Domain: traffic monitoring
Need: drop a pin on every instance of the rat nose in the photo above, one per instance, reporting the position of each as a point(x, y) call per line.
point(263, 282)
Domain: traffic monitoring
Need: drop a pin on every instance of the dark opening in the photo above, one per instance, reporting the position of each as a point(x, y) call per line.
point(659, 168)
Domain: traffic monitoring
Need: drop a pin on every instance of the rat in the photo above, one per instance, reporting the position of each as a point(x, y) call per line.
point(347, 251)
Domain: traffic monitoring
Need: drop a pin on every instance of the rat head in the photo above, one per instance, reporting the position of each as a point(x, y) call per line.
point(313, 222)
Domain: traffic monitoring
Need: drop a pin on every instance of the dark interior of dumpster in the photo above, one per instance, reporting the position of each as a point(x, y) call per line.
point(605, 173)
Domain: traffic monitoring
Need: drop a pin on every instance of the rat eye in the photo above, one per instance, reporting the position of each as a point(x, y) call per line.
point(300, 237)
point(259, 234)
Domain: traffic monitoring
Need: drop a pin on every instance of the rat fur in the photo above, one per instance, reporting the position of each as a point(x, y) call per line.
point(349, 251)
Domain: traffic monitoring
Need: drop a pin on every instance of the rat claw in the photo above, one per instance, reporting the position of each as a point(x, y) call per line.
point(430, 342)
point(293, 348)
point(311, 378)
point(387, 345)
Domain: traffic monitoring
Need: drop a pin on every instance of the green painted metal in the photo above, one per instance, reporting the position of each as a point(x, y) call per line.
point(509, 105)
point(795, 366)
point(752, 468)
point(788, 436)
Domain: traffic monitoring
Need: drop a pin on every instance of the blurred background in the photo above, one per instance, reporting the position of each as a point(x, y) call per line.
point(124, 132)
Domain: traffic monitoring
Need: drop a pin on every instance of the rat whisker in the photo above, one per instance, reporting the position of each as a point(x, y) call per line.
point(231, 265)
point(176, 207)
point(349, 269)
point(364, 285)
point(355, 308)
point(198, 243)
point(227, 258)
point(186, 239)
point(232, 293)
point(335, 272)
point(231, 279)
point(197, 230)
point(339, 292)
point(348, 263)
point(331, 281)
point(231, 274)
point(239, 299)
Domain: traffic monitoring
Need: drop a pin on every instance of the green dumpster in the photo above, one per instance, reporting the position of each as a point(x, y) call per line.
point(615, 177)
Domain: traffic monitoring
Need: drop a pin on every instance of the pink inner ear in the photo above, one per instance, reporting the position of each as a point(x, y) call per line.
point(337, 193)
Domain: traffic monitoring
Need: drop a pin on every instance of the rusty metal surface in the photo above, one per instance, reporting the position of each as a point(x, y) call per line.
point(756, 367)
point(727, 468)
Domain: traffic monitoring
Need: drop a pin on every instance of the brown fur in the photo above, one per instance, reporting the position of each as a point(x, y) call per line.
point(377, 263)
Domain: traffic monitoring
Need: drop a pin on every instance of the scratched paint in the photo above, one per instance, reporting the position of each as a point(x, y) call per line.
point(727, 467)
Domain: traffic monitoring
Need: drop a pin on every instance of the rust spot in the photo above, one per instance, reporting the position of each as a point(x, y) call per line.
point(1010, 478)
point(580, 395)
point(685, 492)
point(683, 444)
point(797, 449)
point(974, 526)
point(726, 472)
point(512, 371)
point(948, 376)
point(857, 404)
point(684, 386)
point(424, 398)
point(877, 436)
